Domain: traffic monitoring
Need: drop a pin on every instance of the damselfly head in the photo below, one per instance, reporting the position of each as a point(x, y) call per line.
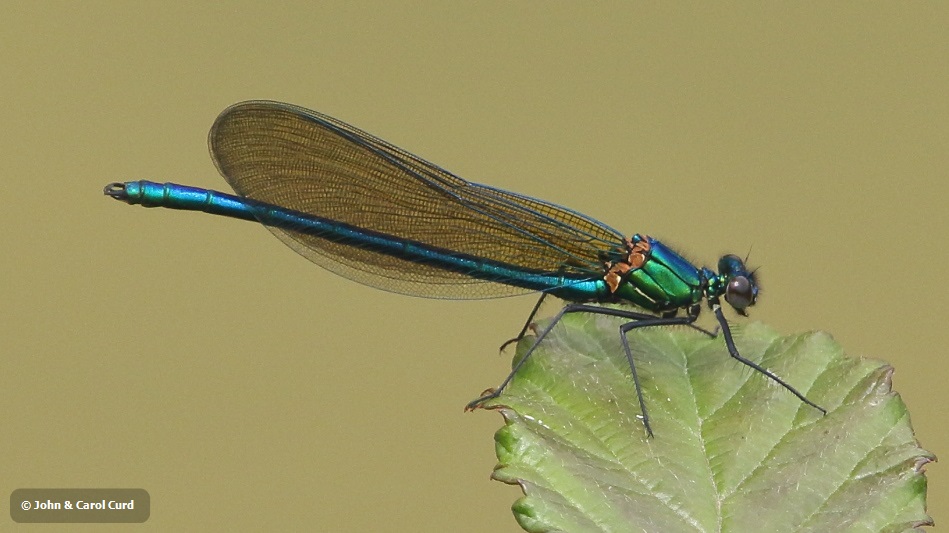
point(741, 290)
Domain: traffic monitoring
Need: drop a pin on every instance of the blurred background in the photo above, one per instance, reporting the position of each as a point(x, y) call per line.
point(245, 388)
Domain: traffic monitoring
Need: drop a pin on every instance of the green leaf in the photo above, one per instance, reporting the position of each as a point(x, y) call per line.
point(733, 451)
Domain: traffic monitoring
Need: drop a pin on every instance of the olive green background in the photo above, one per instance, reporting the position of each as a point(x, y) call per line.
point(247, 389)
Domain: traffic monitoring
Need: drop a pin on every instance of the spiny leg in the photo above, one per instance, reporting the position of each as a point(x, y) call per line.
point(527, 325)
point(733, 351)
point(638, 320)
point(693, 313)
point(648, 321)
point(494, 393)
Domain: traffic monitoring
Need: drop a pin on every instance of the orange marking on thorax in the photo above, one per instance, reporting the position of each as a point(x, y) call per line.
point(635, 258)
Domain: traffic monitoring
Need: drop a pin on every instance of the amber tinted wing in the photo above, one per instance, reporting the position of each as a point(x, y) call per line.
point(308, 162)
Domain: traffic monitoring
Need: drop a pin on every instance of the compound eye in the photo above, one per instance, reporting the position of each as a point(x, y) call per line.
point(739, 293)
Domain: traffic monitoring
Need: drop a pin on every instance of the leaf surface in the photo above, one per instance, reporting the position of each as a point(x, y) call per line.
point(733, 451)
